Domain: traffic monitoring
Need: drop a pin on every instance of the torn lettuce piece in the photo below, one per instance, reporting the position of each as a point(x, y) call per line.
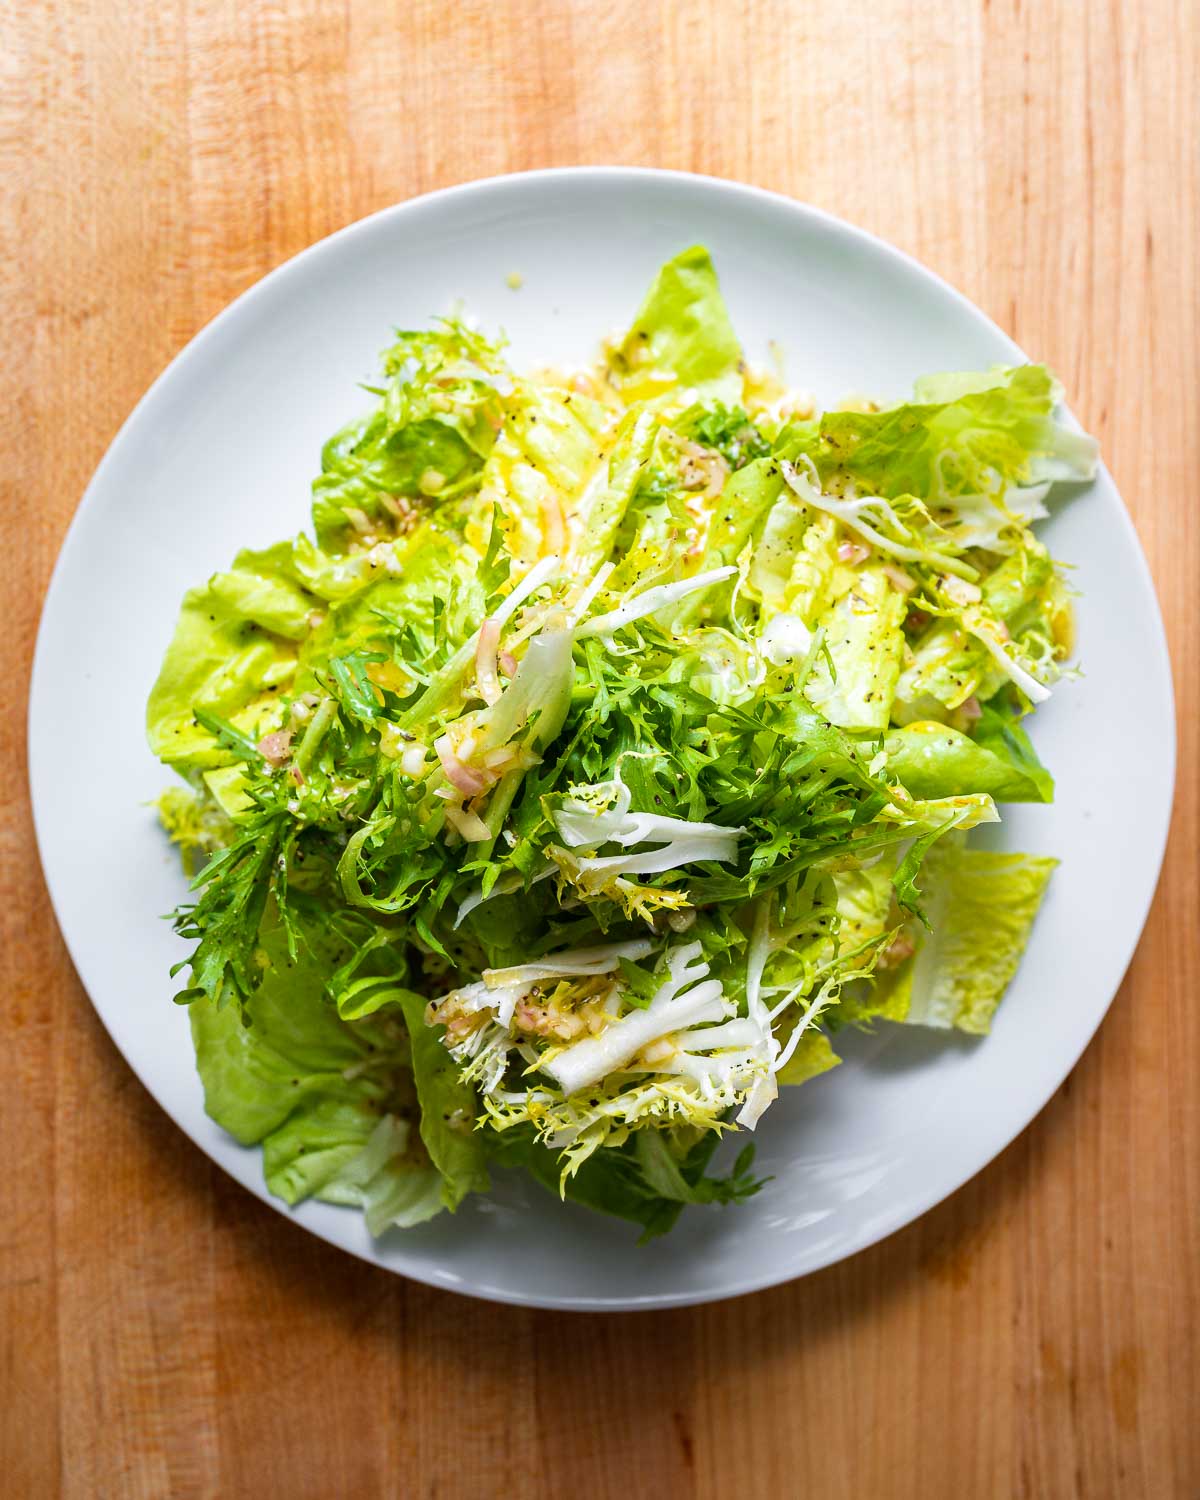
point(550, 446)
point(321, 1152)
point(234, 651)
point(745, 501)
point(1000, 731)
point(681, 336)
point(933, 760)
point(855, 683)
point(600, 509)
point(981, 907)
point(776, 553)
point(447, 1109)
point(332, 1103)
point(962, 435)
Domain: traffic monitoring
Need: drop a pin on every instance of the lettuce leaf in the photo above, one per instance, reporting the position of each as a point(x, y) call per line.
point(854, 684)
point(543, 456)
point(330, 1101)
point(1000, 732)
point(234, 650)
point(682, 334)
point(981, 906)
point(428, 435)
point(603, 503)
point(962, 435)
point(448, 1108)
point(949, 665)
point(933, 760)
point(648, 1181)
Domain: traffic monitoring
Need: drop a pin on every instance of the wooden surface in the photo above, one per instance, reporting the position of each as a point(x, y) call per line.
point(163, 1334)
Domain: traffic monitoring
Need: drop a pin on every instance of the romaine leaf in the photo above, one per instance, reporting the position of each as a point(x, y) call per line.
point(745, 501)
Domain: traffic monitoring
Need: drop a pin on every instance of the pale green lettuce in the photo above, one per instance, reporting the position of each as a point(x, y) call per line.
point(854, 683)
point(682, 333)
point(962, 435)
point(980, 906)
point(447, 1108)
point(235, 649)
point(332, 1103)
point(932, 759)
point(428, 436)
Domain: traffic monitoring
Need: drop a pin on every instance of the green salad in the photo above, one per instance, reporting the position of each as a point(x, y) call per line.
point(605, 751)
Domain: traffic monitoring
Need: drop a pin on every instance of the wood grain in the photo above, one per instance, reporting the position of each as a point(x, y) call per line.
point(163, 1334)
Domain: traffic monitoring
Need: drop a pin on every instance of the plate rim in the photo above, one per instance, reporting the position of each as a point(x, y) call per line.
point(913, 1206)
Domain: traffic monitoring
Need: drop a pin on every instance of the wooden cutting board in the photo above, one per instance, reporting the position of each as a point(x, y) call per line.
point(163, 1334)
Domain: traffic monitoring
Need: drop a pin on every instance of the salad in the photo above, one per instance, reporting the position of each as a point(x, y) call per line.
point(606, 750)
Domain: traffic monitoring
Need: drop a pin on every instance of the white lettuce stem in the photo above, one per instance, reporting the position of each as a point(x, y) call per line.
point(587, 1062)
point(650, 602)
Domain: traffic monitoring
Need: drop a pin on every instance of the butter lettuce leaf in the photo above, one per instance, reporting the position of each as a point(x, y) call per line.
point(332, 1103)
point(234, 651)
point(448, 1107)
point(426, 439)
point(962, 435)
point(682, 334)
point(932, 759)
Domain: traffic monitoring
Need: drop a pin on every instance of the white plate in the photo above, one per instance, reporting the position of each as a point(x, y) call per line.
point(219, 455)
